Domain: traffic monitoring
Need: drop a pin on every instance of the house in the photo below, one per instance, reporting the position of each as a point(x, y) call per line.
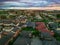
point(16, 31)
point(30, 24)
point(40, 26)
point(53, 26)
point(5, 40)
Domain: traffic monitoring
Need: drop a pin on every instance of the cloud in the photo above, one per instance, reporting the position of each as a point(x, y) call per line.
point(7, 0)
point(29, 3)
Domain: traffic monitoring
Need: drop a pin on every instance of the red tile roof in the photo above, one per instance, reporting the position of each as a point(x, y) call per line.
point(41, 27)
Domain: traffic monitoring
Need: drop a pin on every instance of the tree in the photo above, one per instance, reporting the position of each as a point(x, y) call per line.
point(12, 16)
point(3, 17)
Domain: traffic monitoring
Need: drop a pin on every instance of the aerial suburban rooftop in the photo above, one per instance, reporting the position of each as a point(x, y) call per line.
point(29, 27)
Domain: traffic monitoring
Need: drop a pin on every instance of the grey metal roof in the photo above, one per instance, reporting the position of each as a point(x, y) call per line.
point(46, 34)
point(30, 24)
point(25, 34)
point(23, 39)
point(36, 41)
point(53, 25)
point(1, 21)
point(58, 31)
point(4, 40)
point(49, 42)
point(58, 42)
point(15, 29)
point(20, 41)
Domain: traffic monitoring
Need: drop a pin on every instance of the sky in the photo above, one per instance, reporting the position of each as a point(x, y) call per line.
point(29, 3)
point(30, 0)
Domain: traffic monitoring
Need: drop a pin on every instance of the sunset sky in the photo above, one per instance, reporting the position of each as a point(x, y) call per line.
point(29, 3)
